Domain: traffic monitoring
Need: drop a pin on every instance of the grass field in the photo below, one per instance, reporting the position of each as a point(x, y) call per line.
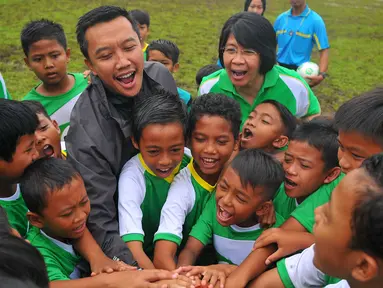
point(354, 29)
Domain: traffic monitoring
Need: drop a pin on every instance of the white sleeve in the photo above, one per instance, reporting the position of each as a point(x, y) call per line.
point(302, 271)
point(179, 203)
point(131, 194)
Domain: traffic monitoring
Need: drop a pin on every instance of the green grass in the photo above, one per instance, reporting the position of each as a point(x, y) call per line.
point(354, 29)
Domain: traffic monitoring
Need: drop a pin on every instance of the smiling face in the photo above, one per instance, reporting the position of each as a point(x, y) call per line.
point(263, 127)
point(115, 55)
point(48, 60)
point(66, 212)
point(304, 170)
point(162, 147)
point(354, 148)
point(332, 229)
point(236, 204)
point(48, 137)
point(242, 68)
point(212, 143)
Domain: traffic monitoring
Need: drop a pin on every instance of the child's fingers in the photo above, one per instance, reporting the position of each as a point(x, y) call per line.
point(275, 256)
point(267, 237)
point(213, 281)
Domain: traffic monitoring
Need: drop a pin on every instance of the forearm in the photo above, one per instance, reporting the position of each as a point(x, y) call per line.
point(253, 266)
point(187, 257)
point(323, 60)
point(164, 254)
point(99, 281)
point(304, 240)
point(139, 254)
point(88, 247)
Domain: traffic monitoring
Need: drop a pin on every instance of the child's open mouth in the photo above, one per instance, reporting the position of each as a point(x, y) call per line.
point(223, 216)
point(48, 150)
point(290, 184)
point(209, 162)
point(247, 133)
point(164, 172)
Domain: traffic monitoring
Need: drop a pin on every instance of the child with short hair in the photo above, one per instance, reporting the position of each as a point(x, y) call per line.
point(143, 20)
point(347, 237)
point(167, 53)
point(159, 130)
point(47, 134)
point(230, 219)
point(17, 152)
point(46, 54)
point(205, 71)
point(269, 127)
point(213, 132)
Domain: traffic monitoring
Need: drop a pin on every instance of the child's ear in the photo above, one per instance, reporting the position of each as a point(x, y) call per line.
point(56, 125)
point(280, 142)
point(135, 144)
point(176, 67)
point(264, 208)
point(90, 66)
point(35, 219)
point(67, 52)
point(366, 268)
point(332, 174)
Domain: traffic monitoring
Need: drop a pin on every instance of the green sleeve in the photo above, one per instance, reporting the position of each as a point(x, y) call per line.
point(54, 270)
point(305, 214)
point(314, 106)
point(203, 229)
point(283, 204)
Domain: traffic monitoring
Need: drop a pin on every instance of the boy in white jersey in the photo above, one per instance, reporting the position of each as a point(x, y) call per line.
point(348, 238)
point(230, 220)
point(159, 130)
point(213, 132)
point(46, 54)
point(17, 152)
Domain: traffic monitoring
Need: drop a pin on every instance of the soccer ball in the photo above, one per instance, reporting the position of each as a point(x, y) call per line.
point(308, 69)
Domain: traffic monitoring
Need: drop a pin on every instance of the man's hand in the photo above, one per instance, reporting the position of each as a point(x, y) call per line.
point(314, 80)
point(107, 265)
point(288, 242)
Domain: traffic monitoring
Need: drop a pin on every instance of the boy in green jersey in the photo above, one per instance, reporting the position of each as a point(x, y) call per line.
point(143, 22)
point(213, 134)
point(46, 54)
point(231, 219)
point(17, 152)
point(269, 127)
point(159, 130)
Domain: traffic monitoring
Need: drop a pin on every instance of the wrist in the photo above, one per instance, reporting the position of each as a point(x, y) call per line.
point(323, 74)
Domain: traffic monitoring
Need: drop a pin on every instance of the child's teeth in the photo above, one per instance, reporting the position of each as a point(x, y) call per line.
point(127, 75)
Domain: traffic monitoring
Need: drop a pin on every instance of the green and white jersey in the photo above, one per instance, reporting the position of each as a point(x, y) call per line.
point(141, 195)
point(3, 89)
point(60, 258)
point(280, 84)
point(283, 204)
point(233, 243)
point(16, 211)
point(299, 271)
point(60, 107)
point(304, 213)
point(186, 200)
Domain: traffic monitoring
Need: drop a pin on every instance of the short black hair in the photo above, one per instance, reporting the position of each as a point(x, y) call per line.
point(288, 119)
point(252, 31)
point(214, 104)
point(161, 107)
point(206, 71)
point(367, 219)
point(96, 16)
point(46, 175)
point(36, 107)
point(166, 47)
point(258, 168)
point(41, 30)
point(21, 261)
point(16, 121)
point(248, 2)
point(363, 114)
point(141, 16)
point(321, 134)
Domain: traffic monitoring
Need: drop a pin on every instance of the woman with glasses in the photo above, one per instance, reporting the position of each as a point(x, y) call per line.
point(247, 49)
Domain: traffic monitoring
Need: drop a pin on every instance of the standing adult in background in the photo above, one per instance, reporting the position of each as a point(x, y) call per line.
point(297, 30)
point(98, 141)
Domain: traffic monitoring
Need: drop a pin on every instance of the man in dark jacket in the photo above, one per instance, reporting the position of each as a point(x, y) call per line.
point(98, 141)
